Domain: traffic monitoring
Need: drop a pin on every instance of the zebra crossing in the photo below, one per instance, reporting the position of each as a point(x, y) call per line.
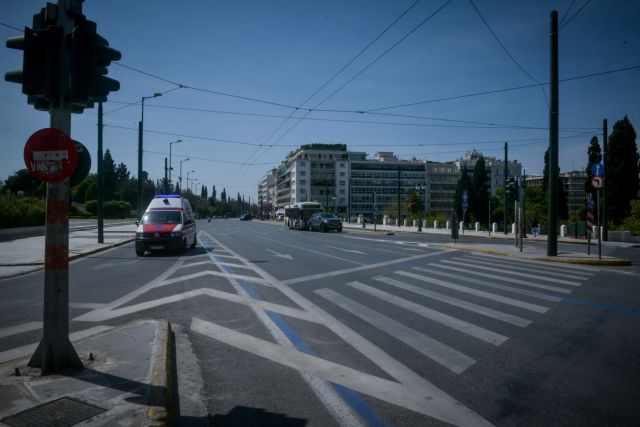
point(490, 287)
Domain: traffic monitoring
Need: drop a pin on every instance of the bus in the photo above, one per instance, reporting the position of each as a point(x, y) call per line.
point(298, 215)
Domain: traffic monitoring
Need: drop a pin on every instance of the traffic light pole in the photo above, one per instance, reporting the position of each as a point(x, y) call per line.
point(55, 352)
point(552, 232)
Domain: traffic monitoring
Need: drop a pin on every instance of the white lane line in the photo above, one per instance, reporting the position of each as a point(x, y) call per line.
point(433, 349)
point(476, 308)
point(434, 315)
point(527, 266)
point(351, 251)
point(279, 255)
point(232, 265)
point(486, 284)
point(472, 291)
point(87, 305)
point(361, 268)
point(28, 349)
point(302, 248)
point(513, 273)
point(325, 393)
point(18, 329)
point(194, 264)
point(403, 374)
point(225, 296)
point(507, 279)
point(429, 401)
point(192, 276)
point(532, 268)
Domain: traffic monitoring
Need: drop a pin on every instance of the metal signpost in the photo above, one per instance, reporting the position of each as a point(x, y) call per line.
point(597, 181)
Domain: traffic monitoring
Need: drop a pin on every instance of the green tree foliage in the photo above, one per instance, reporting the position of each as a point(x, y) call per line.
point(480, 191)
point(223, 195)
point(21, 211)
point(621, 170)
point(79, 192)
point(21, 181)
point(414, 203)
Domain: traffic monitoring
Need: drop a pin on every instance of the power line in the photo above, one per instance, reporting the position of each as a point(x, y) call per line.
point(567, 12)
point(574, 15)
point(489, 92)
point(327, 82)
point(206, 159)
point(424, 21)
point(507, 51)
point(12, 27)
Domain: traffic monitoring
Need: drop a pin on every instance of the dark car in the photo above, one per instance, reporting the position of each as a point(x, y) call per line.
point(246, 217)
point(325, 222)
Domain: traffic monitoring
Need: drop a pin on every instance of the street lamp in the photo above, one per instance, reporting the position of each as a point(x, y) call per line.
point(180, 177)
point(188, 180)
point(140, 131)
point(170, 168)
point(419, 189)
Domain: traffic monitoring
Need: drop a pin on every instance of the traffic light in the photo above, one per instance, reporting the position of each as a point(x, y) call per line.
point(90, 56)
point(513, 188)
point(39, 61)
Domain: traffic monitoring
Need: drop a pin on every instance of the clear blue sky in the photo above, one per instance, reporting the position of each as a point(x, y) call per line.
point(282, 52)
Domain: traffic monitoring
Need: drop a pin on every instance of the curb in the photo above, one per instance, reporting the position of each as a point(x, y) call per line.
point(160, 410)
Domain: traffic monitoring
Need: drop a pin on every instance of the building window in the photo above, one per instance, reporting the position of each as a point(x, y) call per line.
point(303, 182)
point(303, 173)
point(342, 183)
point(341, 164)
point(342, 174)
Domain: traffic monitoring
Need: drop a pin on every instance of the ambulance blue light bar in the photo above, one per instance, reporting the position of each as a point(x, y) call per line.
point(167, 196)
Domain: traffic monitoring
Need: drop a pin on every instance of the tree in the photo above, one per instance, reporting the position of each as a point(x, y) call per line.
point(213, 194)
point(203, 192)
point(621, 170)
point(21, 181)
point(223, 195)
point(464, 182)
point(480, 191)
point(109, 176)
point(413, 203)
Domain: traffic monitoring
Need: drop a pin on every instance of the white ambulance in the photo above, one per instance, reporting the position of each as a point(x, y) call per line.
point(167, 224)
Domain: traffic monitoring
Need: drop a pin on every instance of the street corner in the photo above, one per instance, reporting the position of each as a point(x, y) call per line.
point(608, 261)
point(126, 377)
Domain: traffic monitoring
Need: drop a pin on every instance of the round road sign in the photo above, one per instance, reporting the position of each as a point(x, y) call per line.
point(50, 155)
point(596, 182)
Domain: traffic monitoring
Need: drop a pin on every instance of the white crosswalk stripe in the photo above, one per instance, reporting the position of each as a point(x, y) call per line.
point(433, 349)
point(581, 269)
point(476, 308)
point(514, 273)
point(532, 268)
point(434, 315)
point(504, 277)
point(487, 284)
point(483, 294)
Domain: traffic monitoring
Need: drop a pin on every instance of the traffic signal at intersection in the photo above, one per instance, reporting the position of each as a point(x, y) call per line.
point(513, 188)
point(48, 54)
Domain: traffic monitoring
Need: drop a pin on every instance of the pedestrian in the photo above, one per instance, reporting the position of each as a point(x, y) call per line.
point(535, 227)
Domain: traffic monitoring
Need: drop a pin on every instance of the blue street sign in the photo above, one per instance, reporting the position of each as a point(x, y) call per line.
point(597, 169)
point(465, 199)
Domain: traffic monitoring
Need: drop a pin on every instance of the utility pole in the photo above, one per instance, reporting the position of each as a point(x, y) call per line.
point(166, 182)
point(605, 138)
point(398, 192)
point(55, 351)
point(100, 178)
point(504, 185)
point(552, 232)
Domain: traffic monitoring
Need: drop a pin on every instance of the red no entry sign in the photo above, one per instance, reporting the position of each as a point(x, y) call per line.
point(50, 155)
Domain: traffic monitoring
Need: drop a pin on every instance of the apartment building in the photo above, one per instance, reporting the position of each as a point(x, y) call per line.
point(442, 179)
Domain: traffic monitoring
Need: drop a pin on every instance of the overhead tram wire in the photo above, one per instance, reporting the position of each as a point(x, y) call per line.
point(333, 77)
point(424, 21)
point(131, 104)
point(574, 15)
point(479, 124)
point(513, 59)
point(229, 162)
point(567, 12)
point(488, 92)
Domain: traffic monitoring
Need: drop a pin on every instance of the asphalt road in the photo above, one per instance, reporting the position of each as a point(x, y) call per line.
point(298, 328)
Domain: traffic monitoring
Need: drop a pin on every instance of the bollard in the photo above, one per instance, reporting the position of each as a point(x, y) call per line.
point(563, 231)
point(424, 224)
point(461, 228)
point(405, 223)
point(494, 227)
point(513, 228)
point(435, 225)
point(477, 226)
point(415, 223)
point(448, 225)
point(397, 222)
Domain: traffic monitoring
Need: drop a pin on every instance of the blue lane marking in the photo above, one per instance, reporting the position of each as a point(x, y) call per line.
point(352, 398)
point(603, 307)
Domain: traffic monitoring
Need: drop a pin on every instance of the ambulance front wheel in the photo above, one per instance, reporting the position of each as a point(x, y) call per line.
point(140, 252)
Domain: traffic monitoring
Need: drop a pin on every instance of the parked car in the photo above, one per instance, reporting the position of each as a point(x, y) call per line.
point(246, 217)
point(325, 222)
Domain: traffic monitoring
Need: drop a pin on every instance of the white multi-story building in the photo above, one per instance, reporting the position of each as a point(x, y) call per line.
point(267, 189)
point(494, 167)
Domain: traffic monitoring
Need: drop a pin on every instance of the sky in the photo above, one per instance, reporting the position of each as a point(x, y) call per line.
point(245, 82)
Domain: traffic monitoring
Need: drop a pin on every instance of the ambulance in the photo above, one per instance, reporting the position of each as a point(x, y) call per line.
point(167, 224)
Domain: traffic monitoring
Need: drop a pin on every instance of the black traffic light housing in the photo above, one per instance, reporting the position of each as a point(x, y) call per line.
point(513, 188)
point(38, 76)
point(90, 56)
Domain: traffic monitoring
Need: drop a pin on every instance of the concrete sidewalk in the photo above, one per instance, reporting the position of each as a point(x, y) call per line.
point(24, 255)
point(125, 381)
point(488, 243)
